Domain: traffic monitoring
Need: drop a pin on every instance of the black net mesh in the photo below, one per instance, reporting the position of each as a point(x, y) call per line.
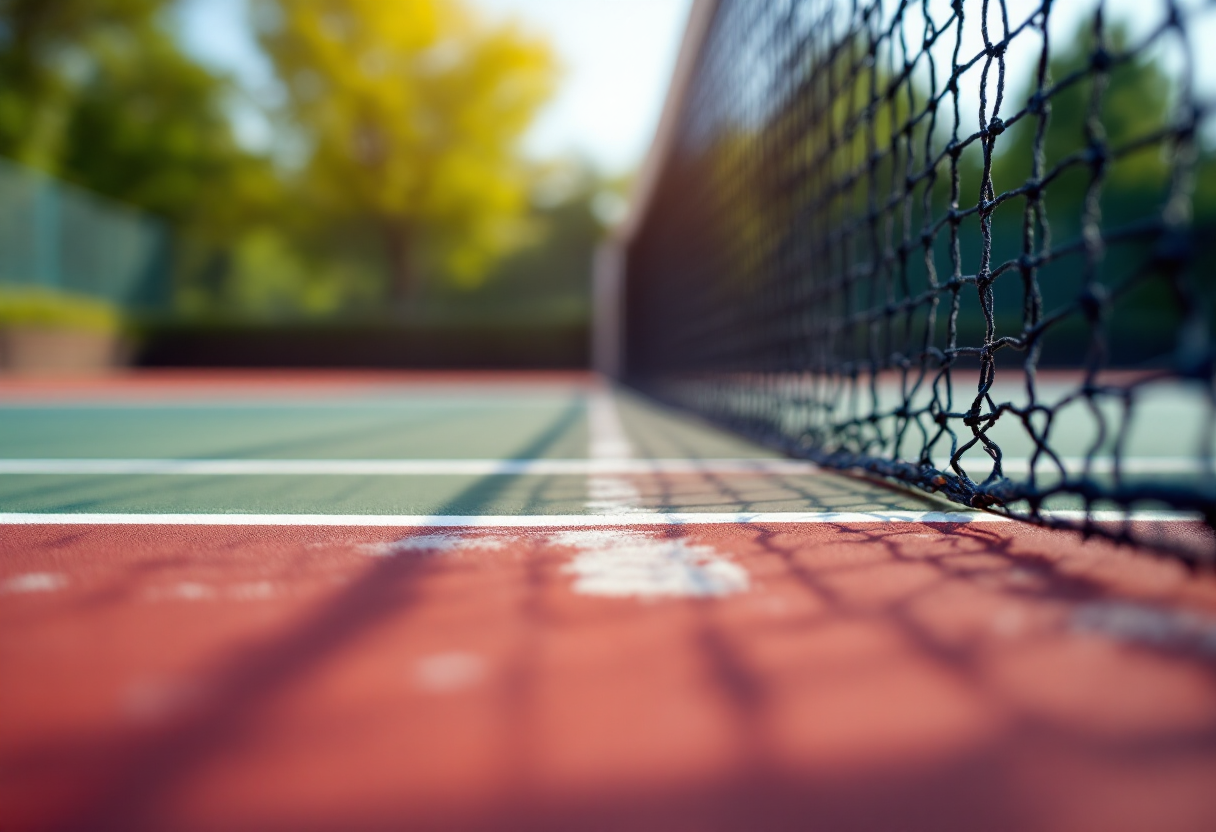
point(963, 245)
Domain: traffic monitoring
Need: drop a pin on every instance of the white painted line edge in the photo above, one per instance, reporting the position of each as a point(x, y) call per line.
point(491, 467)
point(543, 521)
point(608, 441)
point(402, 467)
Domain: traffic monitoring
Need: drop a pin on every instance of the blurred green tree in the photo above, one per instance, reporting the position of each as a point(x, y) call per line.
point(99, 92)
point(1135, 102)
point(412, 111)
point(547, 278)
point(46, 51)
point(150, 128)
point(1131, 113)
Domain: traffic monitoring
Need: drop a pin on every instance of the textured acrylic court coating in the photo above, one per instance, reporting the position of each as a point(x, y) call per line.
point(839, 676)
point(872, 678)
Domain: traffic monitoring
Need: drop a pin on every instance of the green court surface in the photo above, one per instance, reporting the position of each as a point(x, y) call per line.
point(405, 426)
point(50, 451)
point(446, 427)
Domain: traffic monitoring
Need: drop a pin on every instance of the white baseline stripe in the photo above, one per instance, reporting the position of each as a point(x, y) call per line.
point(551, 520)
point(406, 467)
point(1075, 465)
point(509, 467)
point(609, 492)
point(608, 439)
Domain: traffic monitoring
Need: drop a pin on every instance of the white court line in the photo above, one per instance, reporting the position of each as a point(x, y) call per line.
point(1075, 465)
point(546, 521)
point(606, 466)
point(511, 467)
point(608, 492)
point(405, 467)
point(607, 436)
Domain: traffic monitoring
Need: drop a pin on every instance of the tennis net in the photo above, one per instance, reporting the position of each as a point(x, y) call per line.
point(963, 245)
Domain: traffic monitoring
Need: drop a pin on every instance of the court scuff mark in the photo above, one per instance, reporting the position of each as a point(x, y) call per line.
point(634, 564)
point(613, 495)
point(158, 700)
point(608, 562)
point(34, 582)
point(607, 493)
point(435, 544)
point(195, 591)
point(1148, 625)
point(448, 672)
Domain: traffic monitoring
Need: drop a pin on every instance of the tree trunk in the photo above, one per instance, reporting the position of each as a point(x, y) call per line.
point(399, 248)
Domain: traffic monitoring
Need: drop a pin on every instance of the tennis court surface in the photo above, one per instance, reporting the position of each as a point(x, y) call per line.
point(535, 601)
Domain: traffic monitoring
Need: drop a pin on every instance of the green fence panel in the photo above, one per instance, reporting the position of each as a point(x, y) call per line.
point(56, 236)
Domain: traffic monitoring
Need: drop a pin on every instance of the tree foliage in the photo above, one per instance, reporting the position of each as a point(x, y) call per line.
point(173, 151)
point(412, 111)
point(1135, 102)
point(99, 92)
point(46, 51)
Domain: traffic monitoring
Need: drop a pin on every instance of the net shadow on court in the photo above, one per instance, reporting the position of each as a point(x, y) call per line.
point(965, 627)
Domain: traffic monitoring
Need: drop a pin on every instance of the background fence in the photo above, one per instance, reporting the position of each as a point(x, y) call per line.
point(59, 237)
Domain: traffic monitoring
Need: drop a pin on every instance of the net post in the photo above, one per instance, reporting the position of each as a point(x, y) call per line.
point(607, 290)
point(696, 31)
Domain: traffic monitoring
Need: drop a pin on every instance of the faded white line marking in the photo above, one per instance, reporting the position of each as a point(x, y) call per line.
point(256, 591)
point(613, 495)
point(434, 543)
point(182, 591)
point(195, 591)
point(613, 562)
point(609, 455)
point(606, 493)
point(34, 582)
point(190, 591)
point(640, 565)
point(404, 467)
point(448, 672)
point(557, 521)
point(153, 700)
point(1145, 624)
point(608, 439)
point(1075, 465)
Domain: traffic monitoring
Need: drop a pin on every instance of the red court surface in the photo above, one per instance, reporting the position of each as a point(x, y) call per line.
point(872, 677)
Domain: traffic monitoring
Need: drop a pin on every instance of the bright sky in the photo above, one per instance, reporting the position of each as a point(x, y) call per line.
point(617, 56)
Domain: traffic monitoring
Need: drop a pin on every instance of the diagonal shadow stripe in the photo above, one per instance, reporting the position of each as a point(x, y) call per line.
point(247, 683)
